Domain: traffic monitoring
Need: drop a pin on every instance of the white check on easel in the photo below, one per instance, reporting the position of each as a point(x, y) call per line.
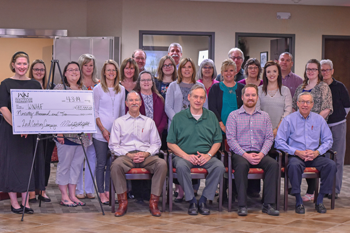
point(52, 111)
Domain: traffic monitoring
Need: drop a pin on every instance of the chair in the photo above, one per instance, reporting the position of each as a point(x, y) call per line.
point(309, 173)
point(136, 174)
point(196, 173)
point(253, 174)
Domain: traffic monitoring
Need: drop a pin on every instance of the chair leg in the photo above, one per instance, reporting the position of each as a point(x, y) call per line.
point(229, 191)
point(164, 196)
point(170, 192)
point(278, 194)
point(286, 180)
point(333, 195)
point(112, 196)
point(316, 189)
point(221, 193)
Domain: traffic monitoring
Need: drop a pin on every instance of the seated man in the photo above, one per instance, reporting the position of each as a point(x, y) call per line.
point(194, 137)
point(249, 135)
point(299, 135)
point(135, 139)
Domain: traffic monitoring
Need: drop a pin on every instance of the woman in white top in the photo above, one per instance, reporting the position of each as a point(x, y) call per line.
point(274, 98)
point(109, 105)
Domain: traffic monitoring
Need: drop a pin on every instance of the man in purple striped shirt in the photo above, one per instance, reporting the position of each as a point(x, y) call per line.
point(249, 135)
point(289, 79)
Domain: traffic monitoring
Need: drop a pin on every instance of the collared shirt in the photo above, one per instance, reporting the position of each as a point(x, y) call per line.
point(298, 133)
point(129, 133)
point(193, 135)
point(247, 132)
point(292, 81)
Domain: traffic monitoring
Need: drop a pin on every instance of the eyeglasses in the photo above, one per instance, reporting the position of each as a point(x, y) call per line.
point(327, 70)
point(111, 71)
point(146, 80)
point(140, 58)
point(313, 70)
point(167, 65)
point(305, 102)
point(39, 70)
point(207, 67)
point(73, 70)
point(234, 58)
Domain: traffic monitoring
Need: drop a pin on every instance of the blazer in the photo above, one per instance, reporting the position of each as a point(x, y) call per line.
point(216, 95)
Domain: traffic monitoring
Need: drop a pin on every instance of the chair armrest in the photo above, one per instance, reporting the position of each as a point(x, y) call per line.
point(333, 154)
point(164, 154)
point(170, 162)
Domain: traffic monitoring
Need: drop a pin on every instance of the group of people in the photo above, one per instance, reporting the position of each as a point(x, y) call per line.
point(190, 113)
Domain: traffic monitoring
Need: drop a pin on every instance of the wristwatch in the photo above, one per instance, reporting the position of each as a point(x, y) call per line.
point(210, 155)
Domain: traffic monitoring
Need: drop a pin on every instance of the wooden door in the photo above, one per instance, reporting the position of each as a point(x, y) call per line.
point(338, 50)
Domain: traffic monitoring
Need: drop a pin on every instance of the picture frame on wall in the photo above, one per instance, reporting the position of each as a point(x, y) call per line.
point(263, 58)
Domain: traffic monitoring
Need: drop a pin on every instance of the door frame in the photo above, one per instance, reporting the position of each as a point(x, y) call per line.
point(334, 37)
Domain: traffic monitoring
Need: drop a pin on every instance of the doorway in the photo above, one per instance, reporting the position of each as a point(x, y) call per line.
point(337, 49)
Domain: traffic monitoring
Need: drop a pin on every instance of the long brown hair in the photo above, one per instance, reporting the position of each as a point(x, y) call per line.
point(154, 88)
point(131, 62)
point(306, 79)
point(181, 65)
point(266, 81)
point(38, 61)
point(160, 68)
point(80, 83)
point(103, 76)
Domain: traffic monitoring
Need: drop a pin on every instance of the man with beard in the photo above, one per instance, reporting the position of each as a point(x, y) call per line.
point(249, 135)
point(135, 140)
point(175, 51)
point(140, 57)
point(289, 79)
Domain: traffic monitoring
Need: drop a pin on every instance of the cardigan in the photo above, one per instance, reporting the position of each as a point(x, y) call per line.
point(216, 95)
point(173, 100)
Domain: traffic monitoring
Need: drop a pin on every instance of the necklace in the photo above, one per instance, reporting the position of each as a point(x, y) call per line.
point(112, 99)
point(272, 92)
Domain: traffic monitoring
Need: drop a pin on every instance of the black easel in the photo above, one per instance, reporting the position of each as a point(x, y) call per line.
point(52, 70)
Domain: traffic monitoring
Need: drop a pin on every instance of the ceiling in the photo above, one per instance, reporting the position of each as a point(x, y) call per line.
point(291, 2)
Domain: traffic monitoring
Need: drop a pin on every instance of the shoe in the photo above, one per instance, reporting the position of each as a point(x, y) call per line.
point(176, 194)
point(300, 209)
point(320, 208)
point(33, 200)
point(27, 210)
point(203, 209)
point(44, 199)
point(268, 209)
point(153, 206)
point(308, 197)
point(195, 194)
point(123, 204)
point(130, 196)
point(253, 195)
point(80, 203)
point(90, 196)
point(329, 196)
point(193, 209)
point(105, 203)
point(178, 200)
point(140, 201)
point(68, 205)
point(81, 196)
point(17, 211)
point(242, 211)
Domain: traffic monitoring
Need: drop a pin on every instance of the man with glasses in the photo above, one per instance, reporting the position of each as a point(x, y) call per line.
point(238, 57)
point(289, 79)
point(140, 57)
point(175, 51)
point(305, 136)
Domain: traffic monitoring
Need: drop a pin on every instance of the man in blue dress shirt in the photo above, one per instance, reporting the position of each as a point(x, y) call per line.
point(305, 135)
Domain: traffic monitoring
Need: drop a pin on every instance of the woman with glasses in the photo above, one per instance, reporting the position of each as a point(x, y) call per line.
point(337, 121)
point(109, 98)
point(87, 62)
point(274, 98)
point(45, 147)
point(322, 95)
point(176, 98)
point(69, 150)
point(207, 74)
point(252, 69)
point(16, 151)
point(166, 74)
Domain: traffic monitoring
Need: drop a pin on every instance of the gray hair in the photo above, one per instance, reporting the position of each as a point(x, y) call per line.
point(174, 45)
point(206, 62)
point(327, 62)
point(198, 86)
point(234, 50)
point(127, 97)
point(138, 50)
point(287, 53)
point(306, 93)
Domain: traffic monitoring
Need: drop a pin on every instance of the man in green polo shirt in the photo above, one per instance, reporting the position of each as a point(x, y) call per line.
point(194, 137)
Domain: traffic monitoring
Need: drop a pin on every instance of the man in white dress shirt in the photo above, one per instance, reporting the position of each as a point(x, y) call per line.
point(135, 139)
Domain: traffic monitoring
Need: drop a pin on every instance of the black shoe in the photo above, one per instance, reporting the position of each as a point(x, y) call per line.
point(268, 209)
point(33, 200)
point(178, 200)
point(203, 209)
point(130, 196)
point(329, 196)
point(193, 209)
point(176, 194)
point(140, 201)
point(242, 211)
point(27, 210)
point(17, 211)
point(44, 199)
point(254, 195)
point(300, 209)
point(320, 208)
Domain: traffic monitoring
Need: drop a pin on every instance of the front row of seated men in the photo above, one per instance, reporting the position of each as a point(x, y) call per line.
point(194, 138)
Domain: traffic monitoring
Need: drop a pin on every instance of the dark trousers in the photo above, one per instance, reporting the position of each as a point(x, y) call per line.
point(325, 166)
point(241, 167)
